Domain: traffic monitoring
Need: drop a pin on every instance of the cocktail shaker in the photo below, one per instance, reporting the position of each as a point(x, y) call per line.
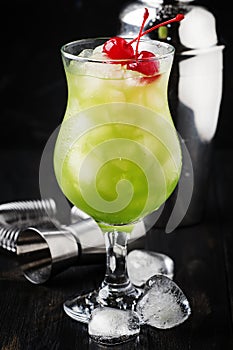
point(195, 91)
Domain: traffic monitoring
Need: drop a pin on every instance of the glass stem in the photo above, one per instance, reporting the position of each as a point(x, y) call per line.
point(116, 276)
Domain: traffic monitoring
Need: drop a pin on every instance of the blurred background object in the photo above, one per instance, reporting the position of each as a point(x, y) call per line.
point(194, 93)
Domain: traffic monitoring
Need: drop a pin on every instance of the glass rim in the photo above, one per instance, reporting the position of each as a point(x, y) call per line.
point(171, 51)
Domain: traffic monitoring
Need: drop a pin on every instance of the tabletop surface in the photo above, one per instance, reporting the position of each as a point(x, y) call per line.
point(32, 316)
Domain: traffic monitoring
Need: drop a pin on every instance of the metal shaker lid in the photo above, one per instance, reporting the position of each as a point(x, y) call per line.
point(198, 29)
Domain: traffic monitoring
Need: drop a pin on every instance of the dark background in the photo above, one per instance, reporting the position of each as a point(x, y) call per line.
point(32, 81)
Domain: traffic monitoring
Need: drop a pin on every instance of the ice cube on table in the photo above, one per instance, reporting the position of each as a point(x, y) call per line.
point(163, 304)
point(143, 264)
point(113, 326)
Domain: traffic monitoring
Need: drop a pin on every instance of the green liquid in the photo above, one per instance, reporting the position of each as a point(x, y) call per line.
point(117, 156)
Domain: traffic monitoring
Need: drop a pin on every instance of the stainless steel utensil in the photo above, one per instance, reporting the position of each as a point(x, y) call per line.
point(15, 216)
point(44, 253)
point(46, 247)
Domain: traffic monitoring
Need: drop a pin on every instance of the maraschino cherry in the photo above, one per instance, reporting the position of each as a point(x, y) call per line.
point(118, 48)
point(144, 64)
point(148, 67)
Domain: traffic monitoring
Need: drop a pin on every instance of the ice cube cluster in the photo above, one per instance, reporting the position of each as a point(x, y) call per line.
point(162, 303)
point(90, 62)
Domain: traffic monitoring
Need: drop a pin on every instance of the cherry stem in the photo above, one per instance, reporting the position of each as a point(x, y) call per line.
point(145, 16)
point(178, 18)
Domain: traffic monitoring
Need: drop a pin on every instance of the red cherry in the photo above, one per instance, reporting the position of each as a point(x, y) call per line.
point(118, 48)
point(147, 67)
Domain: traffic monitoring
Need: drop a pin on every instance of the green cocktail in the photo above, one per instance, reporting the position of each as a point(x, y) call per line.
point(117, 156)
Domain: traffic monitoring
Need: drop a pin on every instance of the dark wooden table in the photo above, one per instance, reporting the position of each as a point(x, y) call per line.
point(32, 317)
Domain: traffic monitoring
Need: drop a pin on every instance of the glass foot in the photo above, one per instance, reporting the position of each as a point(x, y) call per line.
point(81, 307)
point(116, 291)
